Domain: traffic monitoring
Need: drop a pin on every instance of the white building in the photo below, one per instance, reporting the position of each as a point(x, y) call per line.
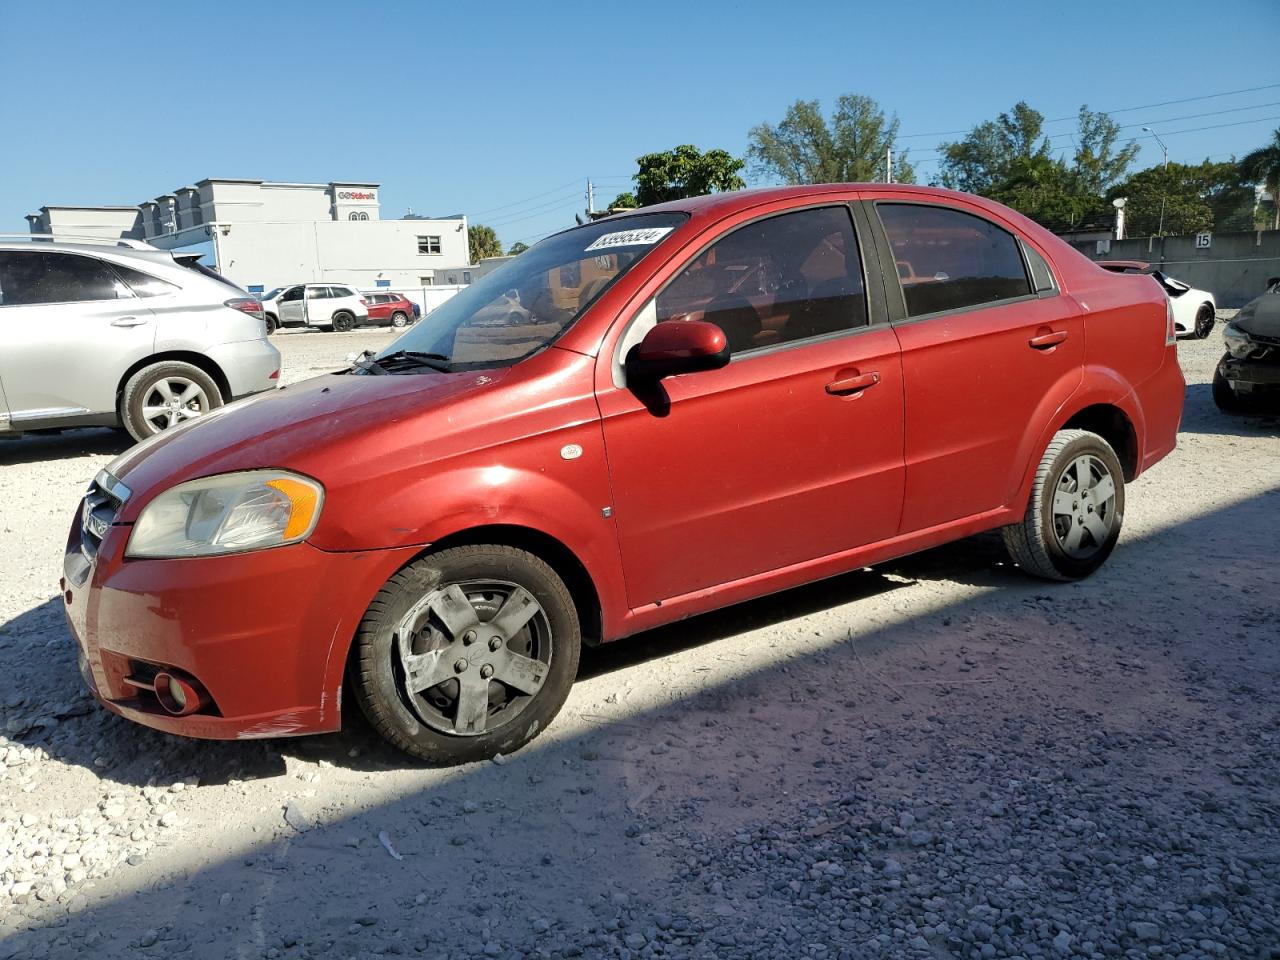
point(263, 234)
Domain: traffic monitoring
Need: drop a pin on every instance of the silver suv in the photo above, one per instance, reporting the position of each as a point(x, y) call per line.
point(122, 334)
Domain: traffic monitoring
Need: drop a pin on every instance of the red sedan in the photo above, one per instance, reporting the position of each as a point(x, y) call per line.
point(641, 419)
point(393, 308)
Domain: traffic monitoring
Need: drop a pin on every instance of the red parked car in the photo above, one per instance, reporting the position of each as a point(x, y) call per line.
point(635, 421)
point(393, 308)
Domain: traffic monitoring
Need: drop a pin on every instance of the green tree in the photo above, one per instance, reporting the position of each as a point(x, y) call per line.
point(624, 201)
point(806, 147)
point(483, 242)
point(1182, 198)
point(683, 171)
point(517, 248)
point(985, 158)
point(1098, 164)
point(1263, 166)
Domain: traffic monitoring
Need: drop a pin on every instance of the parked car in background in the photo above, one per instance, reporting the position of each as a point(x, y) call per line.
point(393, 308)
point(105, 333)
point(1194, 310)
point(328, 306)
point(683, 407)
point(1248, 376)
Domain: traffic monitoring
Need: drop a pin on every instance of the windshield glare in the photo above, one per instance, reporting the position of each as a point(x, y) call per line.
point(528, 302)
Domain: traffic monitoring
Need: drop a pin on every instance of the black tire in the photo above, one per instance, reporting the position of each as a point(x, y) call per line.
point(271, 323)
point(1040, 543)
point(1204, 321)
point(399, 319)
point(416, 723)
point(140, 386)
point(343, 322)
point(1225, 397)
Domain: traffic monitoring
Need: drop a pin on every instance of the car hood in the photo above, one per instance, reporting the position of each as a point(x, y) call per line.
point(293, 427)
point(1260, 316)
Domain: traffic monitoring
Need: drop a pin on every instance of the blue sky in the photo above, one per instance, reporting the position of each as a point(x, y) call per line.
point(503, 110)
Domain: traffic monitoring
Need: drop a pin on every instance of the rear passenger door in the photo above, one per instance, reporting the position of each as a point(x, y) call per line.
point(69, 330)
point(987, 342)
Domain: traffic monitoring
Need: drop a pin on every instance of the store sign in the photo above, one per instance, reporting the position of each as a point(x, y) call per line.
point(367, 195)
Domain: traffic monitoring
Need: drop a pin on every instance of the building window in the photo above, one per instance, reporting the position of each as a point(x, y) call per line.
point(429, 245)
point(466, 276)
point(427, 281)
point(357, 215)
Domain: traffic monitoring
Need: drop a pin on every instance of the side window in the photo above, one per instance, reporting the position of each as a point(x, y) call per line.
point(317, 293)
point(787, 278)
point(293, 293)
point(342, 291)
point(34, 277)
point(143, 284)
point(1041, 275)
point(950, 260)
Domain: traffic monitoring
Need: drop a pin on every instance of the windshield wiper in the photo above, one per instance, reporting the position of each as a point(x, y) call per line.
point(435, 361)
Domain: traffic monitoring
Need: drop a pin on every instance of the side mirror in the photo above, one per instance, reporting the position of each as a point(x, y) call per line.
point(677, 346)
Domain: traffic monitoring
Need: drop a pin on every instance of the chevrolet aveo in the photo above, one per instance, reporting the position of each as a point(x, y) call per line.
point(637, 420)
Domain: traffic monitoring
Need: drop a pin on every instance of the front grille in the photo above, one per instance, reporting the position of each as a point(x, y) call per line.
point(102, 503)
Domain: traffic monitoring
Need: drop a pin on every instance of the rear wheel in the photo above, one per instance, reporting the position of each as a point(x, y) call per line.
point(467, 653)
point(1204, 321)
point(1076, 509)
point(272, 324)
point(343, 322)
point(398, 319)
point(164, 395)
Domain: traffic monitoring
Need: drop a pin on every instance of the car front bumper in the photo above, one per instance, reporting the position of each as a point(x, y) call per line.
point(1264, 372)
point(264, 633)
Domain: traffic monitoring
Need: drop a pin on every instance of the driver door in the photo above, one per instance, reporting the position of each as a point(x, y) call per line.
point(293, 308)
point(792, 452)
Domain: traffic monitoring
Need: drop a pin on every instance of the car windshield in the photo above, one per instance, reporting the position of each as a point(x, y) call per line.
point(272, 294)
point(528, 302)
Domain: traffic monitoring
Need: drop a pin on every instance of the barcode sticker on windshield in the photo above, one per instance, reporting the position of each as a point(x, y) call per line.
point(630, 238)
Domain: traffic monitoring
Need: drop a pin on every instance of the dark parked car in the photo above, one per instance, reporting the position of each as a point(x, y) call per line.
point(684, 407)
point(393, 308)
point(1248, 376)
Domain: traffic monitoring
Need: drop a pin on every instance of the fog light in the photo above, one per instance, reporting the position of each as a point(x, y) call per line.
point(179, 695)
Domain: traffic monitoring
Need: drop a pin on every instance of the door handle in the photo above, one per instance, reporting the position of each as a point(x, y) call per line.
point(128, 321)
point(853, 384)
point(1046, 341)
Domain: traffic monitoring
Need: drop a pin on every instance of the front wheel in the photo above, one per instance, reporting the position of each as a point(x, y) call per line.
point(164, 395)
point(1076, 509)
point(1224, 395)
point(466, 654)
point(343, 322)
point(1204, 321)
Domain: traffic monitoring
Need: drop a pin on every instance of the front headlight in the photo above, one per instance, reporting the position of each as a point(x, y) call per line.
point(229, 513)
point(1238, 343)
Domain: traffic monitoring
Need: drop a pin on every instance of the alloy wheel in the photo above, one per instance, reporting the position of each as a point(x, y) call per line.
point(171, 400)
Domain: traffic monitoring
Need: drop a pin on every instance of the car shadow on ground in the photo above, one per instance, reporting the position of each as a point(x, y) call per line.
point(1069, 690)
point(1201, 416)
point(91, 441)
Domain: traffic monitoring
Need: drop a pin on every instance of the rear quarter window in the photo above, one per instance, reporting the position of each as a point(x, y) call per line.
point(951, 260)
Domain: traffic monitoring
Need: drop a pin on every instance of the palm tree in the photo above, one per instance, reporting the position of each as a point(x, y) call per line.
point(1263, 166)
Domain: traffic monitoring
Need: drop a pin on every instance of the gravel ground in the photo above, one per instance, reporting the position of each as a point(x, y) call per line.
point(937, 758)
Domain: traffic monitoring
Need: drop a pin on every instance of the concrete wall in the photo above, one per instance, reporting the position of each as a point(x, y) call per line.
point(359, 252)
point(107, 222)
point(1235, 267)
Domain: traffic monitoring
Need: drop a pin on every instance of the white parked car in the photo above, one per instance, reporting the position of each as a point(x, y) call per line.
point(1193, 310)
point(330, 306)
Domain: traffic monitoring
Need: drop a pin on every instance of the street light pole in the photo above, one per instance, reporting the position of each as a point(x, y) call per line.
point(1165, 150)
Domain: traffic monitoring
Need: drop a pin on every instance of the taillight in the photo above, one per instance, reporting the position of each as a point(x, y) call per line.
point(1171, 329)
point(247, 305)
point(364, 302)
